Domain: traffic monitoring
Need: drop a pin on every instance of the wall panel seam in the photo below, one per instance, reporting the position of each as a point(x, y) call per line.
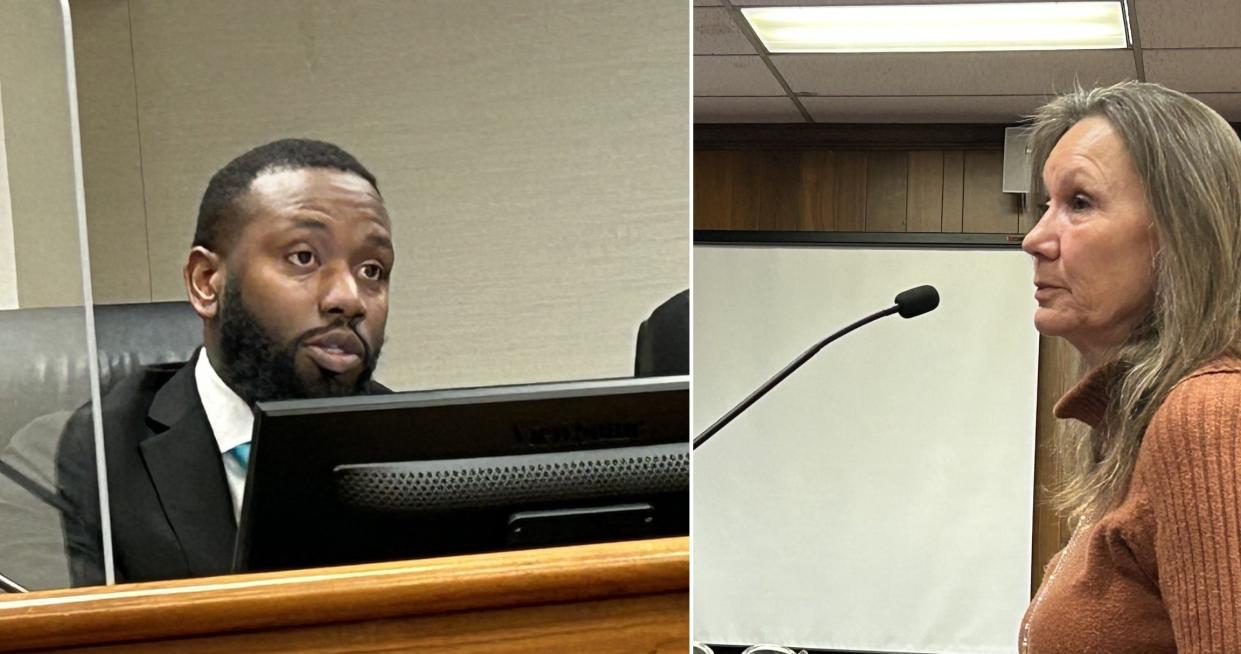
point(146, 220)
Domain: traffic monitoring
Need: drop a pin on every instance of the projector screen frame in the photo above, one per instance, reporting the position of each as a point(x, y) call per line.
point(936, 240)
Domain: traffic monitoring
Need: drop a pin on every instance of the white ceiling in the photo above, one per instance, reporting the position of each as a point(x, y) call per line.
point(1190, 46)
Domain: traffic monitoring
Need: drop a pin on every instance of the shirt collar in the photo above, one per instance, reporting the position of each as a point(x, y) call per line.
point(1087, 400)
point(230, 417)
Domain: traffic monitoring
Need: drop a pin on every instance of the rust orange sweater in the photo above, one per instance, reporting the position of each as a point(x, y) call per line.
point(1160, 572)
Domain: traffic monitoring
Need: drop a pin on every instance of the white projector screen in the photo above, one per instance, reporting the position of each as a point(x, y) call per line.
point(879, 499)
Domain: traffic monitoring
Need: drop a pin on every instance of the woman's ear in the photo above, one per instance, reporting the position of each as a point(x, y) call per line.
point(204, 281)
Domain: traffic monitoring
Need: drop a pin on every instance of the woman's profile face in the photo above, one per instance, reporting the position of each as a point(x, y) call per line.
point(1094, 245)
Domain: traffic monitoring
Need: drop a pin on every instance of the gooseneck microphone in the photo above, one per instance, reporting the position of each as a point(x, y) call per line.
point(914, 302)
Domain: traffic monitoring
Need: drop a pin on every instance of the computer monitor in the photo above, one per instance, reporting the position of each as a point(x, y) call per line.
point(433, 473)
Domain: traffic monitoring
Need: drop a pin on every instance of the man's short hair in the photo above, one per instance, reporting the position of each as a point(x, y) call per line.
point(218, 218)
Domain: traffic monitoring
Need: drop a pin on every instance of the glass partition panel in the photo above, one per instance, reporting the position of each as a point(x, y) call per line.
point(529, 211)
point(50, 529)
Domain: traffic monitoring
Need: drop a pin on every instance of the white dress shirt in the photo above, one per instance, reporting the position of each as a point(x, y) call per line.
point(231, 421)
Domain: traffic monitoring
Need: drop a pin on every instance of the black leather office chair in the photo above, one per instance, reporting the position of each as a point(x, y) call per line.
point(46, 376)
point(44, 353)
point(663, 339)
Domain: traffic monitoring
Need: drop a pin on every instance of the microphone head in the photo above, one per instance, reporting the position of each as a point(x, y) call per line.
point(917, 301)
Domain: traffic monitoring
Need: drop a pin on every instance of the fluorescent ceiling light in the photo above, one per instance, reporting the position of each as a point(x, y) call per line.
point(941, 28)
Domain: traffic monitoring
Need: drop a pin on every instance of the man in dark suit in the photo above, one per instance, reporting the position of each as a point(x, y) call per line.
point(289, 272)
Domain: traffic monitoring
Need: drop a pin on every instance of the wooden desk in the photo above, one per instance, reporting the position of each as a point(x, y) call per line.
point(615, 597)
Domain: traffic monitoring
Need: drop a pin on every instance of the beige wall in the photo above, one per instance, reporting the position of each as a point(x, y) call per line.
point(8, 262)
point(111, 156)
point(533, 154)
point(38, 154)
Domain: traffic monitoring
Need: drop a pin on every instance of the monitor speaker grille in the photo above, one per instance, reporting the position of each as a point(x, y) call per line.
point(489, 482)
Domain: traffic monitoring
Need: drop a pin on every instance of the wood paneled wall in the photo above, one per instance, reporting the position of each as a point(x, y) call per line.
point(854, 191)
point(1059, 367)
point(884, 187)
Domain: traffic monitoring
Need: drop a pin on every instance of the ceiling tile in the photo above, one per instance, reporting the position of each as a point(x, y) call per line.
point(952, 73)
point(1227, 104)
point(1195, 71)
point(733, 75)
point(1004, 109)
point(1168, 24)
point(746, 110)
point(715, 33)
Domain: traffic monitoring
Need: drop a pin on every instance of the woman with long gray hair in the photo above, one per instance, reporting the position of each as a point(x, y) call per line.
point(1137, 264)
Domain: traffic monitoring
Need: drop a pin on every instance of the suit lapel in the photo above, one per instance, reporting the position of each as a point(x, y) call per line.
point(184, 463)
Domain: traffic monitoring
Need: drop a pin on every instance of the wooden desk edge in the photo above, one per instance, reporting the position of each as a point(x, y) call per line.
point(194, 607)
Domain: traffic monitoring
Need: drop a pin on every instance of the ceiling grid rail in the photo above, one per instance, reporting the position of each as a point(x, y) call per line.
point(744, 26)
point(1131, 16)
point(1190, 47)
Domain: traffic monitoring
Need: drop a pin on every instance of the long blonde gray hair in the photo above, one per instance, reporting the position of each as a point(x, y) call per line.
point(1189, 161)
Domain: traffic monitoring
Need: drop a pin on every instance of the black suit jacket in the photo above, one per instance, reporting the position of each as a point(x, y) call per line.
point(172, 515)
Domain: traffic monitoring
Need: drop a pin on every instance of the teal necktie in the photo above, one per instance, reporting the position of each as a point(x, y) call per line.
point(241, 454)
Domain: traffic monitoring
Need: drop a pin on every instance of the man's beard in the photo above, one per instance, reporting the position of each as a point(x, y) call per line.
point(259, 369)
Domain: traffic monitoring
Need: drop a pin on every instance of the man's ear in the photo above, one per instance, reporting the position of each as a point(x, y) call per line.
point(204, 281)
